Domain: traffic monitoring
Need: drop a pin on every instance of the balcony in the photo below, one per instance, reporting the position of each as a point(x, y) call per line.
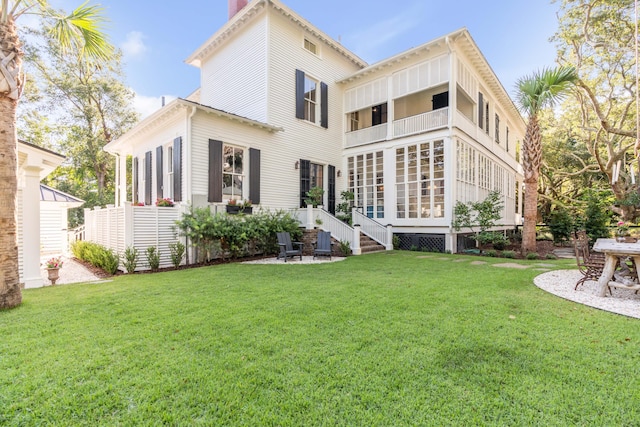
point(421, 123)
point(366, 135)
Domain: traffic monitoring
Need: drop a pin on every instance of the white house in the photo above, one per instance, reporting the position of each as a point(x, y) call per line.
point(41, 212)
point(282, 107)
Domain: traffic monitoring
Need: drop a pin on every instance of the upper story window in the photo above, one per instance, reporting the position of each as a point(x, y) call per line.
point(486, 117)
point(507, 139)
point(169, 187)
point(354, 121)
point(379, 114)
point(312, 99)
point(310, 46)
point(498, 129)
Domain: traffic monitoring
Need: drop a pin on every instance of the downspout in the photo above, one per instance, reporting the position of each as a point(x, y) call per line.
point(187, 157)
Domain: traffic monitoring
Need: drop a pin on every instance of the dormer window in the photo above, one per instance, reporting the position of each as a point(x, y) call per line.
point(310, 46)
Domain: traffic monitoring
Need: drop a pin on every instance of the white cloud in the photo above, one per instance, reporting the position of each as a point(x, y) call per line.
point(134, 45)
point(147, 105)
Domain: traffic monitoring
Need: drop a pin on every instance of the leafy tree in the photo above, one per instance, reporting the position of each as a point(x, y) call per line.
point(596, 37)
point(561, 224)
point(482, 215)
point(535, 93)
point(79, 31)
point(92, 107)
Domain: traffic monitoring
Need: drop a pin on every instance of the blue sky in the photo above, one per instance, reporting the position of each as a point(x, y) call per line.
point(157, 36)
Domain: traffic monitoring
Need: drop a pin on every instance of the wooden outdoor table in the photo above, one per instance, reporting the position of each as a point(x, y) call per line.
point(613, 250)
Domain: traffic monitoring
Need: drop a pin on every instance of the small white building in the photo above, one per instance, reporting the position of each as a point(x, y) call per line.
point(41, 212)
point(282, 107)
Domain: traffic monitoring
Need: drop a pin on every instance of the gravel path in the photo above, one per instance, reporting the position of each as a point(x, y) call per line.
point(71, 272)
point(562, 282)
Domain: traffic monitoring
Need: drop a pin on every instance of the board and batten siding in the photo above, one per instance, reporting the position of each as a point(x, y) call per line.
point(301, 139)
point(235, 78)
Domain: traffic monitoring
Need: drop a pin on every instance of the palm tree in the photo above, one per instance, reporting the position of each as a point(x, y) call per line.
point(536, 92)
point(80, 30)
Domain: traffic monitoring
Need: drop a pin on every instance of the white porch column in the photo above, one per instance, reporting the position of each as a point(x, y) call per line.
point(389, 246)
point(31, 228)
point(355, 245)
point(122, 180)
point(310, 220)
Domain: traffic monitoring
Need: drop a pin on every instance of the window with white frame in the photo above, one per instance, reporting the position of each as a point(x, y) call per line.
point(169, 187)
point(366, 181)
point(420, 180)
point(233, 173)
point(310, 46)
point(310, 99)
point(497, 131)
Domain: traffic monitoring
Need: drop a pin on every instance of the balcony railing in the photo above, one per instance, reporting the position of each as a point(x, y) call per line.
point(421, 123)
point(366, 135)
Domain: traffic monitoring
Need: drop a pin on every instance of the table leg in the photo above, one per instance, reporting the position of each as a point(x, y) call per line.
point(607, 273)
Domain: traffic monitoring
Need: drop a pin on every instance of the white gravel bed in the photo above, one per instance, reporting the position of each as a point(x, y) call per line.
point(562, 282)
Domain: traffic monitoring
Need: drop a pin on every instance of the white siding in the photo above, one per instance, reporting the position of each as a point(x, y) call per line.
point(301, 139)
point(421, 76)
point(235, 78)
point(372, 93)
point(53, 228)
point(19, 219)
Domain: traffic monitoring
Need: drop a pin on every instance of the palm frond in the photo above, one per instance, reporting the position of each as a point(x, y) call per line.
point(544, 88)
point(82, 29)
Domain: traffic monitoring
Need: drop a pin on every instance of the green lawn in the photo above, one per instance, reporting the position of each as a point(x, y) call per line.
point(396, 338)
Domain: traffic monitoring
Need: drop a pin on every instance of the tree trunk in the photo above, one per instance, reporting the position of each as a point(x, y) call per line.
point(531, 161)
point(10, 85)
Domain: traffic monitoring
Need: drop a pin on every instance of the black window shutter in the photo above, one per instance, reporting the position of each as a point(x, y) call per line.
point(332, 189)
point(324, 105)
point(147, 178)
point(135, 180)
point(440, 100)
point(299, 94)
point(177, 169)
point(305, 181)
point(159, 180)
point(480, 110)
point(215, 171)
point(254, 176)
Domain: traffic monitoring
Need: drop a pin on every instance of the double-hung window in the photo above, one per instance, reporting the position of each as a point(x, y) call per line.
point(312, 99)
point(169, 186)
point(232, 172)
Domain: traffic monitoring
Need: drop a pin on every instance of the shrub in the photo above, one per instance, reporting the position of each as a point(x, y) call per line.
point(508, 254)
point(560, 224)
point(491, 253)
point(396, 242)
point(345, 247)
point(153, 258)
point(130, 259)
point(532, 256)
point(96, 255)
point(177, 251)
point(551, 256)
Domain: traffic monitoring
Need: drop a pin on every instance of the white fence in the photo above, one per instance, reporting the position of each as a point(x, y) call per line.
point(136, 226)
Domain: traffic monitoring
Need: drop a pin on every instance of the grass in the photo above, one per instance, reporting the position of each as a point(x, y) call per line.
point(394, 338)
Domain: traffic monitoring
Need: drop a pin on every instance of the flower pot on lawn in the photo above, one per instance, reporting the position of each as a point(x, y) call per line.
point(53, 274)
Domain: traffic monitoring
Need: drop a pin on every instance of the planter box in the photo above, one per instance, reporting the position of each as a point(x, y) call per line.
point(234, 210)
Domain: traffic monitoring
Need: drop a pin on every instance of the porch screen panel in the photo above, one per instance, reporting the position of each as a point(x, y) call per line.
point(147, 178)
point(215, 171)
point(254, 175)
point(305, 181)
point(177, 169)
point(159, 172)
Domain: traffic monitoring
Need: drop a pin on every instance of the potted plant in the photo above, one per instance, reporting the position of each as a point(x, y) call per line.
point(247, 207)
point(53, 266)
point(166, 202)
point(622, 233)
point(314, 196)
point(234, 206)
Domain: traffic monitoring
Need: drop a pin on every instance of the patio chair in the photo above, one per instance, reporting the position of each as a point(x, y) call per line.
point(323, 245)
point(287, 247)
point(589, 264)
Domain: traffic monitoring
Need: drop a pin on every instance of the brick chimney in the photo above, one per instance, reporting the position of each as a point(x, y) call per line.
point(235, 6)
